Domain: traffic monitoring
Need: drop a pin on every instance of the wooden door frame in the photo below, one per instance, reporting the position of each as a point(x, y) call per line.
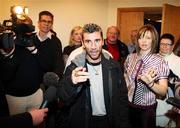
point(152, 10)
point(170, 20)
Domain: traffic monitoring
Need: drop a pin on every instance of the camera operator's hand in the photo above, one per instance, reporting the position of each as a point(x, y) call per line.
point(177, 110)
point(8, 53)
point(7, 45)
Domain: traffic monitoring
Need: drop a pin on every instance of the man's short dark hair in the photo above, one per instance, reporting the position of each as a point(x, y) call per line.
point(168, 36)
point(47, 13)
point(91, 28)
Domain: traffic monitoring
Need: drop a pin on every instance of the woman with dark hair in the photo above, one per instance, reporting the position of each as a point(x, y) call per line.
point(146, 76)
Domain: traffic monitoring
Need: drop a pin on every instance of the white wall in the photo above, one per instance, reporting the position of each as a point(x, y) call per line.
point(69, 13)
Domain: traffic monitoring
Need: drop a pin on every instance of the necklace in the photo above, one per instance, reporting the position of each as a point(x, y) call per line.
point(96, 69)
point(95, 66)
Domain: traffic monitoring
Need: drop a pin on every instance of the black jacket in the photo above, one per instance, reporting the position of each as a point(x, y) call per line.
point(78, 96)
point(23, 120)
point(49, 55)
point(21, 74)
point(123, 50)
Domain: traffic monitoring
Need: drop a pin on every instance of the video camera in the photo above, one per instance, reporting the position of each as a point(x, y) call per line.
point(18, 30)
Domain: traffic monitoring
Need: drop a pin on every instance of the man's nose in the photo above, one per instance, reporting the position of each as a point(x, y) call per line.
point(93, 45)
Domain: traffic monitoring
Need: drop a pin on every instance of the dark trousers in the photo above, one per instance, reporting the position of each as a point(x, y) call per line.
point(142, 117)
point(4, 111)
point(99, 122)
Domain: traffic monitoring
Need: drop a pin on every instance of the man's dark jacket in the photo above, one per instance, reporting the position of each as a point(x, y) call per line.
point(123, 50)
point(23, 120)
point(78, 96)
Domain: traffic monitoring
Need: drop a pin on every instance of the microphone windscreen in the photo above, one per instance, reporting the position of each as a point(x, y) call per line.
point(50, 79)
point(50, 94)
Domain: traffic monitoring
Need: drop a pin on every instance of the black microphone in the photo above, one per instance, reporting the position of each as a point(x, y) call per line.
point(50, 79)
point(49, 96)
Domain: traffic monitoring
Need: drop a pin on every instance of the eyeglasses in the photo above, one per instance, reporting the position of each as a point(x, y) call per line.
point(164, 44)
point(46, 21)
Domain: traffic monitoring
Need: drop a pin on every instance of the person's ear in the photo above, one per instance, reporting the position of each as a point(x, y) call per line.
point(102, 42)
point(83, 46)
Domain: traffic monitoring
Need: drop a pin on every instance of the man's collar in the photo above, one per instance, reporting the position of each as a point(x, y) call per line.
point(165, 55)
point(48, 35)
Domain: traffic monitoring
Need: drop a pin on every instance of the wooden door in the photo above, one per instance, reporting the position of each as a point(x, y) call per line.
point(132, 18)
point(171, 20)
point(129, 21)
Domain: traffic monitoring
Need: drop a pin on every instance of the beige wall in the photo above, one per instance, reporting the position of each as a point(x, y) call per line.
point(69, 13)
point(5, 7)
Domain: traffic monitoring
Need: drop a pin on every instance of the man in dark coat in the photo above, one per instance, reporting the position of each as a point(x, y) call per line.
point(93, 86)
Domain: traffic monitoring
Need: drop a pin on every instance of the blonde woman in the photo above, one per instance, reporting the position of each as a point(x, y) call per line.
point(146, 76)
point(74, 42)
